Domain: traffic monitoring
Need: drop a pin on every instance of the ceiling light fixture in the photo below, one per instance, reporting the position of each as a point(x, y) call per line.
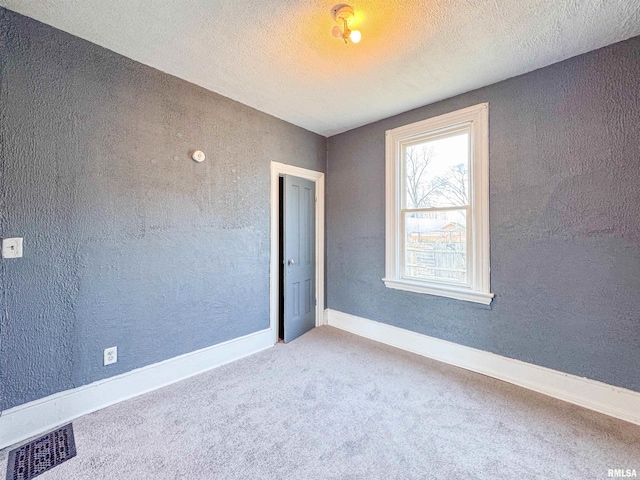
point(343, 15)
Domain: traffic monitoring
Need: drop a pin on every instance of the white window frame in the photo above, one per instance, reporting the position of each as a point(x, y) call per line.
point(478, 288)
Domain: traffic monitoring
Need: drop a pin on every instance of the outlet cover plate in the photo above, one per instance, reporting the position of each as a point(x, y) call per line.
point(110, 355)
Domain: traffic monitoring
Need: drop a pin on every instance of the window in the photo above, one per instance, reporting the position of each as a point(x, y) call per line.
point(437, 196)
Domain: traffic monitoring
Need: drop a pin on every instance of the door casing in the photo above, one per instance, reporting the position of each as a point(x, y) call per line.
point(278, 169)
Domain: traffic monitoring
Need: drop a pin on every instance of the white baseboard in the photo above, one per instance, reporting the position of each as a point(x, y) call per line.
point(25, 421)
point(613, 401)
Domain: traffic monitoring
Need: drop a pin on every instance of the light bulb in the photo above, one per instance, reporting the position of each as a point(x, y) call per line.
point(355, 36)
point(336, 32)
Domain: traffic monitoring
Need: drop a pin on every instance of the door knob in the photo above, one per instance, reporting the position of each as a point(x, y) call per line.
point(291, 261)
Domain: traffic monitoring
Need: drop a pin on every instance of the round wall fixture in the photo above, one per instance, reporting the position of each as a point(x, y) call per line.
point(198, 156)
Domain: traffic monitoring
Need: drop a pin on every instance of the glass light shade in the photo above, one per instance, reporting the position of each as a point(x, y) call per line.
point(355, 36)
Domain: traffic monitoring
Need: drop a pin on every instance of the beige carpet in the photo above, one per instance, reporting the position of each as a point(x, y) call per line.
point(333, 405)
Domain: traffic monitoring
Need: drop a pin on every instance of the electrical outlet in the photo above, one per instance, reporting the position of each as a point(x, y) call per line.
point(110, 355)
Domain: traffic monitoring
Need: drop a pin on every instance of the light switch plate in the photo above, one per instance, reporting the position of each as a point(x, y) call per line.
point(11, 247)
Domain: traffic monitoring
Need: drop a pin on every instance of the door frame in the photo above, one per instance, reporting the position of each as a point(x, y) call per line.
point(277, 170)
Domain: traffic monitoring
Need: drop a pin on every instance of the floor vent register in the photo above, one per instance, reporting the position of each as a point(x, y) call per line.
point(41, 455)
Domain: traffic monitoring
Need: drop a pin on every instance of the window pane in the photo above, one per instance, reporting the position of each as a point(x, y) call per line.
point(436, 246)
point(436, 171)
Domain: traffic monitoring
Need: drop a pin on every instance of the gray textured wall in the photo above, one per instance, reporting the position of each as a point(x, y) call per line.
point(565, 226)
point(128, 242)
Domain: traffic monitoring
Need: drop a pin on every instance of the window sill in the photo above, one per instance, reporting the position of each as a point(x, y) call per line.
point(457, 293)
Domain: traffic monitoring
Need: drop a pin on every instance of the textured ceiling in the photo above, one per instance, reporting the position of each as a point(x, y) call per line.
point(279, 57)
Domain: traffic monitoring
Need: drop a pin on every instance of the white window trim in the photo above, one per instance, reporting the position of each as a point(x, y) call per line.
point(479, 289)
